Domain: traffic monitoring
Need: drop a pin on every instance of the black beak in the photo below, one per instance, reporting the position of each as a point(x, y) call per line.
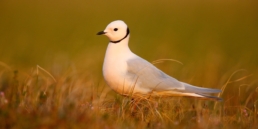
point(101, 33)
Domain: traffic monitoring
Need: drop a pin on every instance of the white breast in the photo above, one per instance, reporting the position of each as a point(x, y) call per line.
point(115, 67)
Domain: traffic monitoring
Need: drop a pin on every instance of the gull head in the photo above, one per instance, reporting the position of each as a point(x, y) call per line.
point(116, 31)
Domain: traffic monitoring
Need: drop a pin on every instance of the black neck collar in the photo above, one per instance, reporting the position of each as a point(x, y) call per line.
point(127, 33)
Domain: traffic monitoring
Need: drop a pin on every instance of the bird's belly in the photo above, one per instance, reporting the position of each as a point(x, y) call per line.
point(117, 78)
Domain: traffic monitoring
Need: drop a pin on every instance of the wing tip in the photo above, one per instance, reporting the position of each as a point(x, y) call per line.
point(212, 97)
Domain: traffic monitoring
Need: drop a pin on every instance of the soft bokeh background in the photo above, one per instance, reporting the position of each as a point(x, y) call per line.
point(213, 39)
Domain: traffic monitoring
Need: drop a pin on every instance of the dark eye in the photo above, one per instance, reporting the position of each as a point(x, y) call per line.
point(115, 29)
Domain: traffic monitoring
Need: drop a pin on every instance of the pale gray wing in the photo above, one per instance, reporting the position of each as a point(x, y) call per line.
point(199, 90)
point(149, 77)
